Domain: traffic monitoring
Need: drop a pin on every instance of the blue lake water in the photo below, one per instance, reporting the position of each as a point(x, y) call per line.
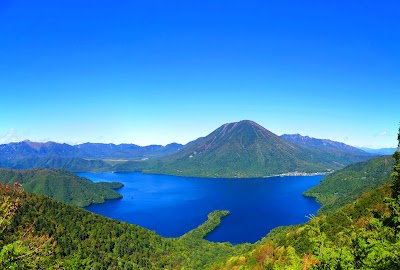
point(172, 205)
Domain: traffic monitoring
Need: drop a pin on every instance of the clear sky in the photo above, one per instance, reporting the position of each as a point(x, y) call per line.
point(156, 71)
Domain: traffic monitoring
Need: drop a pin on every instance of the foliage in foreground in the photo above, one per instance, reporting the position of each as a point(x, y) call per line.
point(355, 237)
point(89, 241)
point(22, 249)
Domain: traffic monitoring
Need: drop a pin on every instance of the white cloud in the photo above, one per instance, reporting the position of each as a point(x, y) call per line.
point(382, 134)
point(11, 136)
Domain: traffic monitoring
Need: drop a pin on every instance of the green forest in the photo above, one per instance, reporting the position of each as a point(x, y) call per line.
point(61, 185)
point(348, 184)
point(37, 232)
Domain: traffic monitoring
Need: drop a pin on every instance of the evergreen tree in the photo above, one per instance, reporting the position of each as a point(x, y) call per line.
point(396, 171)
point(394, 202)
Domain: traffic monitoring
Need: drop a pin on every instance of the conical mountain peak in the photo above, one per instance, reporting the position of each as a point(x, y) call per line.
point(241, 149)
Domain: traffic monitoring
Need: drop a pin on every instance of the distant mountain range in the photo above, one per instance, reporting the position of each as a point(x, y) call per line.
point(381, 151)
point(322, 144)
point(325, 144)
point(85, 157)
point(246, 149)
point(87, 150)
point(240, 149)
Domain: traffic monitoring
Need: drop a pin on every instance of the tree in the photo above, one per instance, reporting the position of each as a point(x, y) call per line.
point(394, 202)
point(396, 171)
point(20, 249)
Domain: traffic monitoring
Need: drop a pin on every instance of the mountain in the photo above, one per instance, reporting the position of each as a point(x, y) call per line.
point(322, 144)
point(61, 185)
point(26, 149)
point(242, 149)
point(246, 149)
point(81, 158)
point(126, 151)
point(380, 151)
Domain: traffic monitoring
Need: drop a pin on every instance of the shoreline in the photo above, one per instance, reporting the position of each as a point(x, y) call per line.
point(299, 174)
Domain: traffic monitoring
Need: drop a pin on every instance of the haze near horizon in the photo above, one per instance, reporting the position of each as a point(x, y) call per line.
point(156, 72)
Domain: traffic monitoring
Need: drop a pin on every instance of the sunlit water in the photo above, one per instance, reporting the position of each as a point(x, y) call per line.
point(173, 205)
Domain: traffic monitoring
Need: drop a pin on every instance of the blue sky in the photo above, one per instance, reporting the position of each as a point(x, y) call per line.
point(156, 72)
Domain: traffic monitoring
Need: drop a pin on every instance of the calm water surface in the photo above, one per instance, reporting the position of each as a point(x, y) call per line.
point(173, 205)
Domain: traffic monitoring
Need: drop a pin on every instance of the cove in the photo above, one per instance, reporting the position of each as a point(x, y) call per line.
point(172, 205)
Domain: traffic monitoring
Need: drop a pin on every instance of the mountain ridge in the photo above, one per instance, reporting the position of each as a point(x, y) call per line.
point(234, 150)
point(380, 151)
point(246, 149)
point(86, 150)
point(323, 144)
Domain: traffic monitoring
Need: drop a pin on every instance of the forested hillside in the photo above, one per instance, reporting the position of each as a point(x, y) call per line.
point(351, 238)
point(61, 185)
point(347, 185)
point(89, 241)
point(55, 162)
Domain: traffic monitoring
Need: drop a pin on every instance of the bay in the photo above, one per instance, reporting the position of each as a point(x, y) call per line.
point(172, 205)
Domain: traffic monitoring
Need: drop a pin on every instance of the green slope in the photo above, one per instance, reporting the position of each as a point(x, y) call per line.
point(68, 163)
point(245, 149)
point(89, 241)
point(61, 185)
point(131, 166)
point(359, 235)
point(349, 238)
point(348, 184)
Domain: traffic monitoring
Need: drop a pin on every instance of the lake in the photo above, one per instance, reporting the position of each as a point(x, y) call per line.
point(172, 205)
